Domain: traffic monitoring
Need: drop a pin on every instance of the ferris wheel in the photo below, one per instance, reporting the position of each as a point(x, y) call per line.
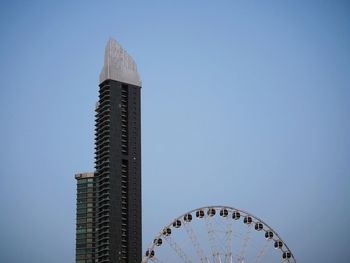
point(218, 234)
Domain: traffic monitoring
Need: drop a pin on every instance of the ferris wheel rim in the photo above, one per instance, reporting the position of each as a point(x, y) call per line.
point(218, 207)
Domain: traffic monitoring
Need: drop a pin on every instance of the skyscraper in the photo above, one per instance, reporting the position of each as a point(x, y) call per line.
point(118, 160)
point(86, 214)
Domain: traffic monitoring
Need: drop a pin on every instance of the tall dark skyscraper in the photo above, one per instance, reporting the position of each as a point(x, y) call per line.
point(117, 213)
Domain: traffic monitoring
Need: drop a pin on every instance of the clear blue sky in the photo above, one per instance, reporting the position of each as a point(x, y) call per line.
point(244, 103)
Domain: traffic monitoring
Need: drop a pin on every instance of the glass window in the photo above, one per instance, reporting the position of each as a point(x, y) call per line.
point(89, 215)
point(82, 245)
point(81, 220)
point(79, 206)
point(81, 250)
point(82, 181)
point(81, 226)
point(81, 186)
point(81, 241)
point(81, 215)
point(82, 230)
point(81, 236)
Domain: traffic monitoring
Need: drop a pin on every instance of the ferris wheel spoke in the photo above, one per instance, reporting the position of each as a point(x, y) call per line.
point(156, 260)
point(177, 248)
point(194, 240)
point(244, 247)
point(263, 251)
point(228, 242)
point(212, 239)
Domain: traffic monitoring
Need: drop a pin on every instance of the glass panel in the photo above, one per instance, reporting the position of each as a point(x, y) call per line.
point(82, 181)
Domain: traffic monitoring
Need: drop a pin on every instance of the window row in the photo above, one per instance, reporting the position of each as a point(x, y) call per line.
point(84, 230)
point(83, 253)
point(85, 245)
point(86, 180)
point(85, 210)
point(85, 240)
point(85, 220)
point(86, 190)
point(87, 185)
point(88, 225)
point(86, 195)
point(81, 205)
point(85, 215)
point(86, 257)
point(84, 235)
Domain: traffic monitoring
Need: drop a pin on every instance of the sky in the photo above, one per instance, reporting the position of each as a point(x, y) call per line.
point(244, 104)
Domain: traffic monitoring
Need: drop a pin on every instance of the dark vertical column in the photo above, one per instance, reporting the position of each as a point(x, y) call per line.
point(134, 209)
point(116, 152)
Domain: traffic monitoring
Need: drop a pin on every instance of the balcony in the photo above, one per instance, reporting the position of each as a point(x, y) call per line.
point(102, 148)
point(103, 211)
point(104, 95)
point(102, 138)
point(103, 186)
point(102, 200)
point(102, 110)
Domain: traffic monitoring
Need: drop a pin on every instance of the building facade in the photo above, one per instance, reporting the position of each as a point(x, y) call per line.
point(86, 216)
point(118, 160)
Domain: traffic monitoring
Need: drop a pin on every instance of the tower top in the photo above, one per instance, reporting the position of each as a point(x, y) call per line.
point(119, 65)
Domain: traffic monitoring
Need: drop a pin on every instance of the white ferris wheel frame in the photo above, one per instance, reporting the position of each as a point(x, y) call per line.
point(150, 252)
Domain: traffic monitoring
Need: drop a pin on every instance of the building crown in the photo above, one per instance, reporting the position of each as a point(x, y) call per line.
point(119, 65)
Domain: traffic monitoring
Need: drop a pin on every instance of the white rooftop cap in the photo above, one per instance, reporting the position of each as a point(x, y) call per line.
point(119, 65)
